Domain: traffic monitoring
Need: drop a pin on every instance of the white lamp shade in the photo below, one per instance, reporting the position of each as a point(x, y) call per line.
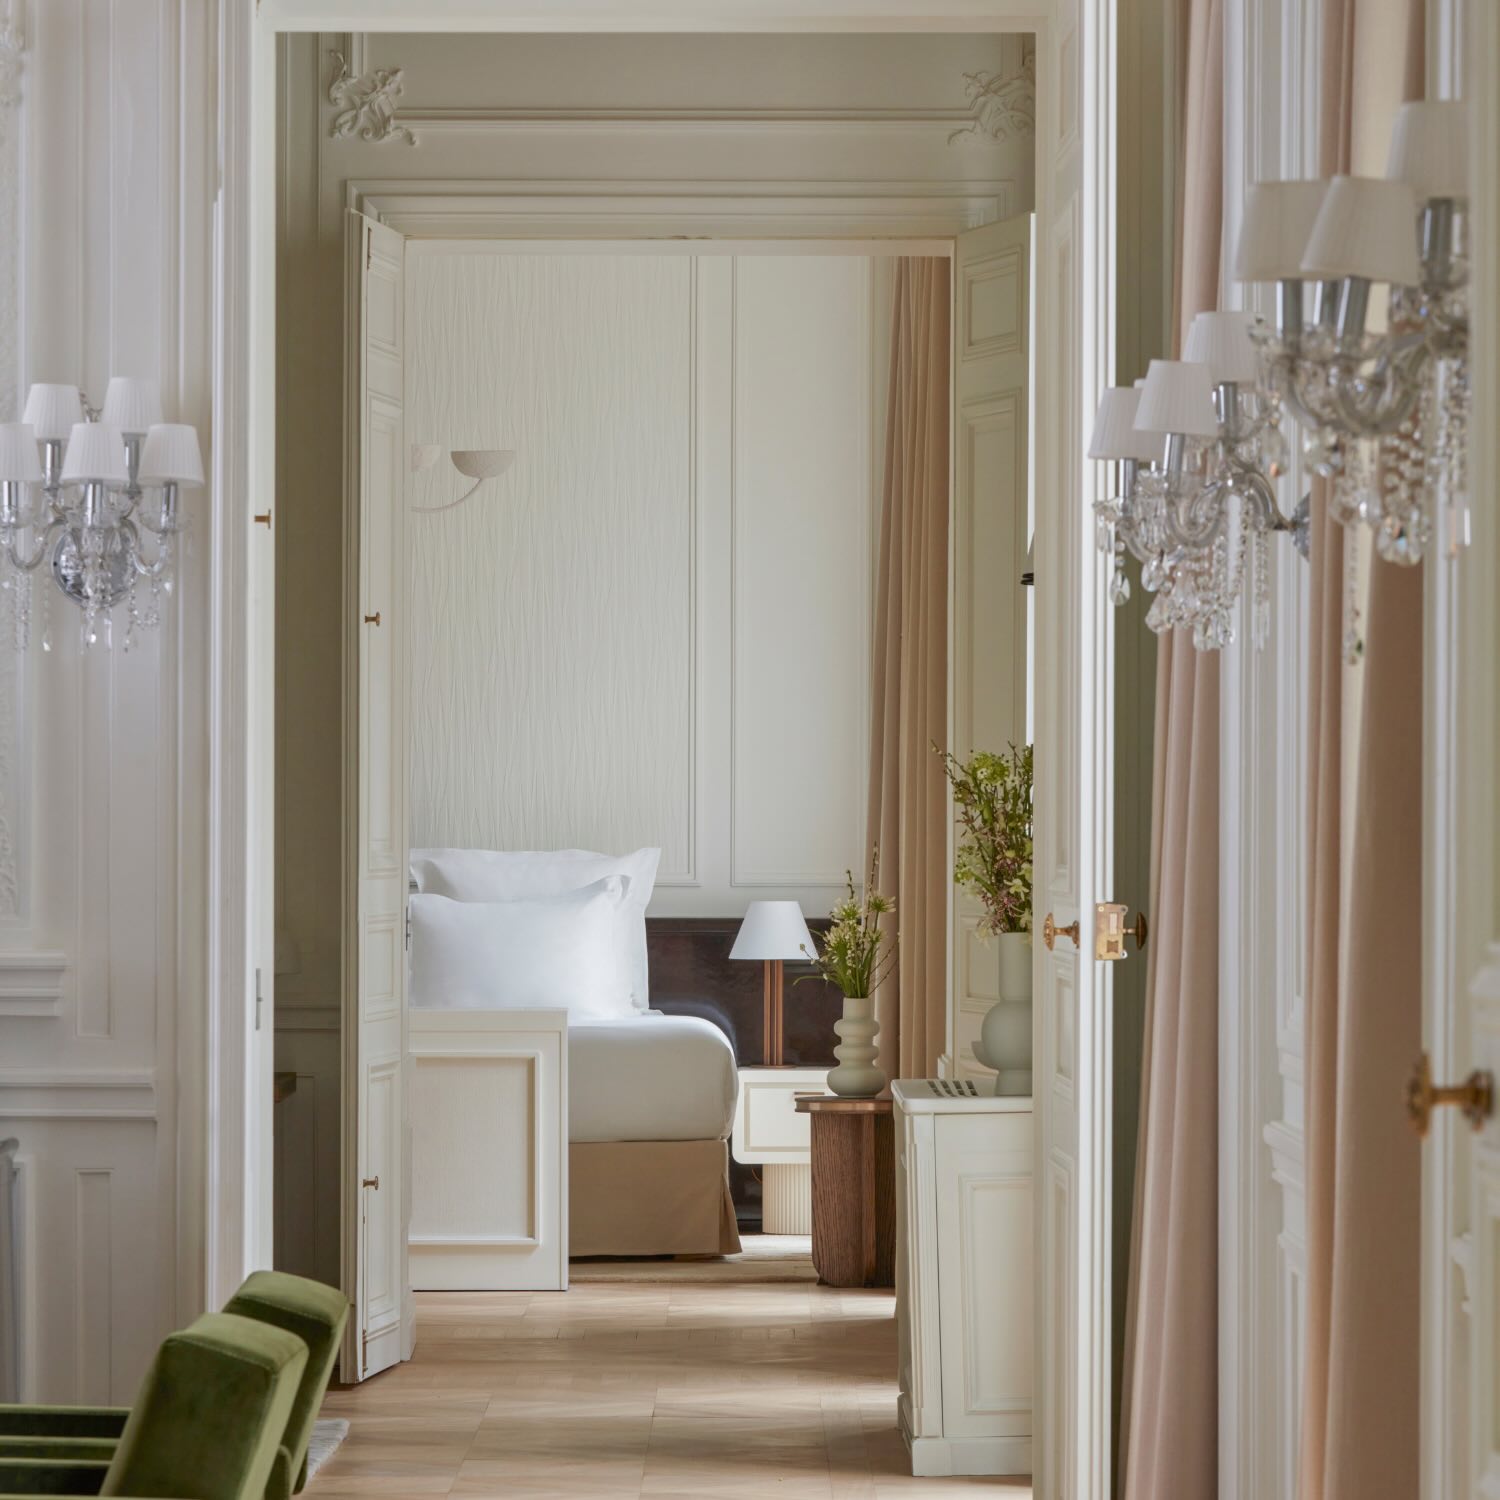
point(19, 460)
point(131, 404)
point(1221, 340)
point(170, 455)
point(773, 929)
point(51, 410)
point(95, 451)
point(1430, 149)
point(1115, 434)
point(1278, 221)
point(1367, 227)
point(482, 463)
point(1178, 397)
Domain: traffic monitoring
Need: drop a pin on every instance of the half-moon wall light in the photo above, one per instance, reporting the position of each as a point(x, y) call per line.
point(478, 464)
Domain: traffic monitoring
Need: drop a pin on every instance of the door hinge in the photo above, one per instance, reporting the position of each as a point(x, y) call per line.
point(408, 929)
point(260, 999)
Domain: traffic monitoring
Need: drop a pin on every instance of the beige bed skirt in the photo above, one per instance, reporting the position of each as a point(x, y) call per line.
point(650, 1198)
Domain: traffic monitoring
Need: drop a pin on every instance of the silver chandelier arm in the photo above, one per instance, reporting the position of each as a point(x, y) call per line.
point(155, 567)
point(44, 545)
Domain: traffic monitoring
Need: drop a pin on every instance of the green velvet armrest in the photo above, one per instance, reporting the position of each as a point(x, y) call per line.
point(63, 1421)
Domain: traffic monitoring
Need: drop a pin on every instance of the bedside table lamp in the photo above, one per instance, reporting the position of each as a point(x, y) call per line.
point(773, 931)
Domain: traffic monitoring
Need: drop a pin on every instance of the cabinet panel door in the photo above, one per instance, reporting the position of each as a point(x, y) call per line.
point(985, 1293)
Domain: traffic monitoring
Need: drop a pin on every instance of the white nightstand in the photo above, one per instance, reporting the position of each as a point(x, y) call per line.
point(770, 1134)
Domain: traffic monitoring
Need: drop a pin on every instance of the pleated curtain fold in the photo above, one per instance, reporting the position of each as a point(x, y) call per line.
point(1169, 1407)
point(908, 808)
point(1361, 1392)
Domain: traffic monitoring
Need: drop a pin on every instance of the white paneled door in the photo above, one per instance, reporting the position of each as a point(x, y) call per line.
point(1461, 878)
point(1073, 1035)
point(375, 1154)
point(991, 533)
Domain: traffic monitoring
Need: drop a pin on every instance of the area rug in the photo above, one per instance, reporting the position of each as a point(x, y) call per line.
point(327, 1434)
point(765, 1257)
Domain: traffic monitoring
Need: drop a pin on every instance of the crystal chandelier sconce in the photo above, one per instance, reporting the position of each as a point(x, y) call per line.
point(79, 493)
point(1384, 412)
point(1197, 444)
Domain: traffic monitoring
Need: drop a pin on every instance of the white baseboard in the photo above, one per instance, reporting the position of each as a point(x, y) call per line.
point(944, 1458)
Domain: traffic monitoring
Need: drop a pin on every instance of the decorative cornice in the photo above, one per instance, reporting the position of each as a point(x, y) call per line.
point(1002, 106)
point(366, 104)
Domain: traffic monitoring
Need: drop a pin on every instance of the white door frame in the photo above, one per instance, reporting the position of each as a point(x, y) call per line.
point(1075, 180)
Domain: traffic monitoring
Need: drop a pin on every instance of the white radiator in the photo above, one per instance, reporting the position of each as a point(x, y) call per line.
point(10, 1273)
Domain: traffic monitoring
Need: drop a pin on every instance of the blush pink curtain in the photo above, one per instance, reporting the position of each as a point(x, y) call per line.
point(1169, 1408)
point(908, 810)
point(1361, 1416)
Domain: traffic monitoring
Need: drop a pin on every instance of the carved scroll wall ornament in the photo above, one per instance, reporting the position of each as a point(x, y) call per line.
point(1003, 105)
point(366, 104)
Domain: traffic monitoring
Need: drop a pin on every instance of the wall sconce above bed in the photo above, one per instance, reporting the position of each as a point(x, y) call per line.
point(478, 464)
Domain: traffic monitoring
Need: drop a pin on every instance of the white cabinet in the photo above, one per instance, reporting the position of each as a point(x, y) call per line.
point(964, 1292)
point(770, 1134)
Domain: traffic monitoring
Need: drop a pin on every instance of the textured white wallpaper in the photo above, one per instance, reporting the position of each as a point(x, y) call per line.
point(552, 616)
point(655, 628)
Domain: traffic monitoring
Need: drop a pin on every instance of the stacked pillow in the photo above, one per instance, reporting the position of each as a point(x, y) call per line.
point(496, 929)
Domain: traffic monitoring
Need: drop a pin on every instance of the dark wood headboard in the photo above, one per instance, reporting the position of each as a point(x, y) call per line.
point(692, 974)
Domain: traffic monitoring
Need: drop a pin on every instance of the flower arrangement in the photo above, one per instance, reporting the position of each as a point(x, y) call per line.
point(857, 950)
point(992, 801)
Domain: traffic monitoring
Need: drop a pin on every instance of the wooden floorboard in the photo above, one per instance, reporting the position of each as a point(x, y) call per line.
point(639, 1389)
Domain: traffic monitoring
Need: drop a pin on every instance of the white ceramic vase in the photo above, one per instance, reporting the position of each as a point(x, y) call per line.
point(1005, 1038)
point(856, 1076)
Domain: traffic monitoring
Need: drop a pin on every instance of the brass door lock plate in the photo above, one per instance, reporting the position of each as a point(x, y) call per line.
point(1110, 931)
point(1474, 1098)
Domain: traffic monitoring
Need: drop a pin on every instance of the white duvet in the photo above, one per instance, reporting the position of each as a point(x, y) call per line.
point(650, 1077)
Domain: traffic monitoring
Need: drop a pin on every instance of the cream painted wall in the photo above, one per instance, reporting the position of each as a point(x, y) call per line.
point(106, 182)
point(656, 627)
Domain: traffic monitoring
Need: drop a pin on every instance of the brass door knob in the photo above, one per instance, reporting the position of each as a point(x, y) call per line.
point(373, 619)
point(373, 1182)
point(1474, 1097)
point(1139, 931)
point(1051, 932)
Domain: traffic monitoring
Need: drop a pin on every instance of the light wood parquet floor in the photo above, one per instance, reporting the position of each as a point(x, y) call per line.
point(639, 1389)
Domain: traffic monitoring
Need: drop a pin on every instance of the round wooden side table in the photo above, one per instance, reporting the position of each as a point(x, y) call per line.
point(853, 1189)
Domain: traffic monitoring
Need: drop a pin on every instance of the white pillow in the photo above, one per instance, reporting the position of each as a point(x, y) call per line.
point(509, 875)
point(514, 955)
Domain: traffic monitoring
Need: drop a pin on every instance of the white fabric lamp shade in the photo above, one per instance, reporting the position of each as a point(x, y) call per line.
point(51, 410)
point(95, 451)
point(19, 460)
point(1277, 224)
point(1178, 397)
point(773, 929)
point(1221, 340)
point(1430, 148)
point(170, 455)
point(131, 404)
point(1367, 227)
point(1115, 434)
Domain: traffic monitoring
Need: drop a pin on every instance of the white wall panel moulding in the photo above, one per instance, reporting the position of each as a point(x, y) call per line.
point(31, 984)
point(85, 1094)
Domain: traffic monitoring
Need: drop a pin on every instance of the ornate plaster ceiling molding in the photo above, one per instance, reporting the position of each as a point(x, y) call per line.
point(366, 104)
point(1002, 105)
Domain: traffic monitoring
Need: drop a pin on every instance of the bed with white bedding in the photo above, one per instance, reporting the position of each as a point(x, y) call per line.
point(651, 1097)
point(650, 1078)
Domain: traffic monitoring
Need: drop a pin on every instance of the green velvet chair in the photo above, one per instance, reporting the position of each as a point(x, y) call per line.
point(207, 1424)
point(314, 1312)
